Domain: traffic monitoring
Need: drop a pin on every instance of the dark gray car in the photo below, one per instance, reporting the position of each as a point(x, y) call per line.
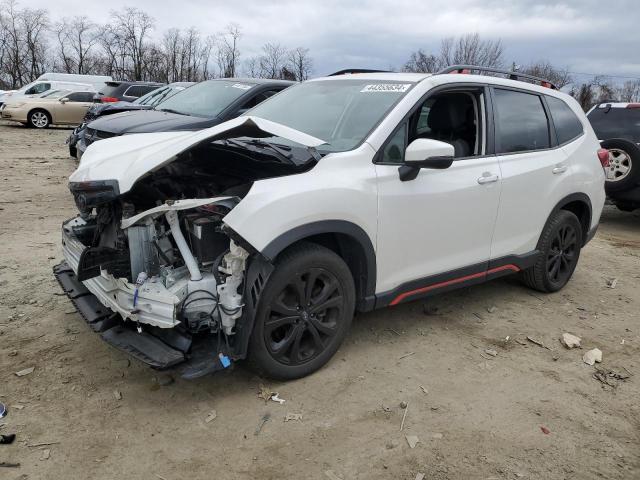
point(201, 106)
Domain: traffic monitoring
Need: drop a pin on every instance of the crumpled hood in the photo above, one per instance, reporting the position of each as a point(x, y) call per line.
point(149, 121)
point(126, 159)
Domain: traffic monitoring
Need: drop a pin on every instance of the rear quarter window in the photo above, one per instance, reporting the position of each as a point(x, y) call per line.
point(609, 122)
point(567, 125)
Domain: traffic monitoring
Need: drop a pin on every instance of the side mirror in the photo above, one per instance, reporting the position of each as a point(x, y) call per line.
point(64, 100)
point(425, 153)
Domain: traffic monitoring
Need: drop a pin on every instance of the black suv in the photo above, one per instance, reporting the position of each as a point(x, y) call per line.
point(201, 106)
point(120, 91)
point(617, 126)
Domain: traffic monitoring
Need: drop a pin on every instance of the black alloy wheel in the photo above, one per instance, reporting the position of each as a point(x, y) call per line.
point(303, 314)
point(304, 317)
point(561, 257)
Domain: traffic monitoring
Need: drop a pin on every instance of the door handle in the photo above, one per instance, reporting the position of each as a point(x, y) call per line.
point(559, 169)
point(487, 179)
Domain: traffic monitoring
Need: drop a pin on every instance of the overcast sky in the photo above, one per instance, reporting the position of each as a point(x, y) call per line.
point(586, 36)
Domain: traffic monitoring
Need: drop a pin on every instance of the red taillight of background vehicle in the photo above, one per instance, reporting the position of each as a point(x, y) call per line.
point(603, 156)
point(633, 105)
point(108, 99)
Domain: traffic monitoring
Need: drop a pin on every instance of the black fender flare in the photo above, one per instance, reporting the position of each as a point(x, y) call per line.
point(344, 227)
point(261, 265)
point(574, 197)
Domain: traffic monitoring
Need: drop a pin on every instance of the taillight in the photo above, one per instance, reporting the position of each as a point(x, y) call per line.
point(603, 156)
point(108, 99)
point(633, 105)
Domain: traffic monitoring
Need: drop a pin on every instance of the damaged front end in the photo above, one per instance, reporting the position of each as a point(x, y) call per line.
point(155, 269)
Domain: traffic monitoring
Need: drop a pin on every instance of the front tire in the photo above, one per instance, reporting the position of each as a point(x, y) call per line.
point(559, 248)
point(304, 313)
point(39, 119)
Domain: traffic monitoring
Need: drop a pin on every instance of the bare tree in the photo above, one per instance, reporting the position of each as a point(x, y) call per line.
point(300, 64)
point(630, 91)
point(23, 43)
point(560, 77)
point(133, 27)
point(228, 53)
point(422, 62)
point(468, 49)
point(76, 38)
point(252, 67)
point(272, 60)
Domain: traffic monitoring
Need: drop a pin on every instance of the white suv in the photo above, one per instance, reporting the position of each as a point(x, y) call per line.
point(261, 236)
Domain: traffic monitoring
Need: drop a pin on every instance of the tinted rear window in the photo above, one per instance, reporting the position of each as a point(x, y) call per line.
point(565, 121)
point(616, 123)
point(110, 90)
point(139, 90)
point(521, 123)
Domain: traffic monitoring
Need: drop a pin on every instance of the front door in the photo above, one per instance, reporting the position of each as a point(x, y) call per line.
point(442, 221)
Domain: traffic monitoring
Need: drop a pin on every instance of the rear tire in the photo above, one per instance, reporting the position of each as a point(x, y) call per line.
point(39, 119)
point(73, 151)
point(559, 248)
point(303, 314)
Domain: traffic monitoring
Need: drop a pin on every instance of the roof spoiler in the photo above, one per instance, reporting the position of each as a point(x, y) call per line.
point(349, 71)
point(468, 69)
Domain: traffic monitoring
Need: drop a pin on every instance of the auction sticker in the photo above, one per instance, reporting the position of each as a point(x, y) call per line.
point(386, 88)
point(241, 86)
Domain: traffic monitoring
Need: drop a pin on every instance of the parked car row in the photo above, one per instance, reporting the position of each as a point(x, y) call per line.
point(145, 102)
point(246, 219)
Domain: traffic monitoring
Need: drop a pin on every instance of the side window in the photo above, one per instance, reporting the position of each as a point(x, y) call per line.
point(394, 150)
point(521, 122)
point(138, 90)
point(80, 97)
point(451, 117)
point(567, 124)
point(259, 98)
point(39, 88)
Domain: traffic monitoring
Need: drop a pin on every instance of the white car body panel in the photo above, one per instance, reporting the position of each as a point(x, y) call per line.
point(342, 186)
point(129, 157)
point(441, 221)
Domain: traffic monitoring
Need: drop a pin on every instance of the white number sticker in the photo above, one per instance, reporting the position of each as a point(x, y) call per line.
point(241, 86)
point(386, 88)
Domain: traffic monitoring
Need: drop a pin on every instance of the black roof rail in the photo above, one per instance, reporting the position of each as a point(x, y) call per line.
point(348, 71)
point(510, 74)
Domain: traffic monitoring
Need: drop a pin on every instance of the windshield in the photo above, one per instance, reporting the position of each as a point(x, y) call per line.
point(616, 123)
point(206, 99)
point(340, 112)
point(55, 94)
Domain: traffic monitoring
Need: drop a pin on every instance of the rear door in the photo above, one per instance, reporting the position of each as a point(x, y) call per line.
point(72, 111)
point(536, 172)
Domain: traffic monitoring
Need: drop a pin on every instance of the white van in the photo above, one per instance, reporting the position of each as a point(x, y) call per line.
point(97, 81)
point(39, 87)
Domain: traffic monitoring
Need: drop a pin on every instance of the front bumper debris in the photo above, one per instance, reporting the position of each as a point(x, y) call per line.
point(104, 302)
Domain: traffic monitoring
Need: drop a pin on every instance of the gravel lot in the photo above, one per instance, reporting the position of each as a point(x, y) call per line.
point(475, 415)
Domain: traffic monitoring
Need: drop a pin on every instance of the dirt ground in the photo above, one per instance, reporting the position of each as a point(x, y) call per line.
point(475, 415)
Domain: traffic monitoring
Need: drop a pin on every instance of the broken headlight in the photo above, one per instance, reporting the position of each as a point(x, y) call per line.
point(88, 195)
